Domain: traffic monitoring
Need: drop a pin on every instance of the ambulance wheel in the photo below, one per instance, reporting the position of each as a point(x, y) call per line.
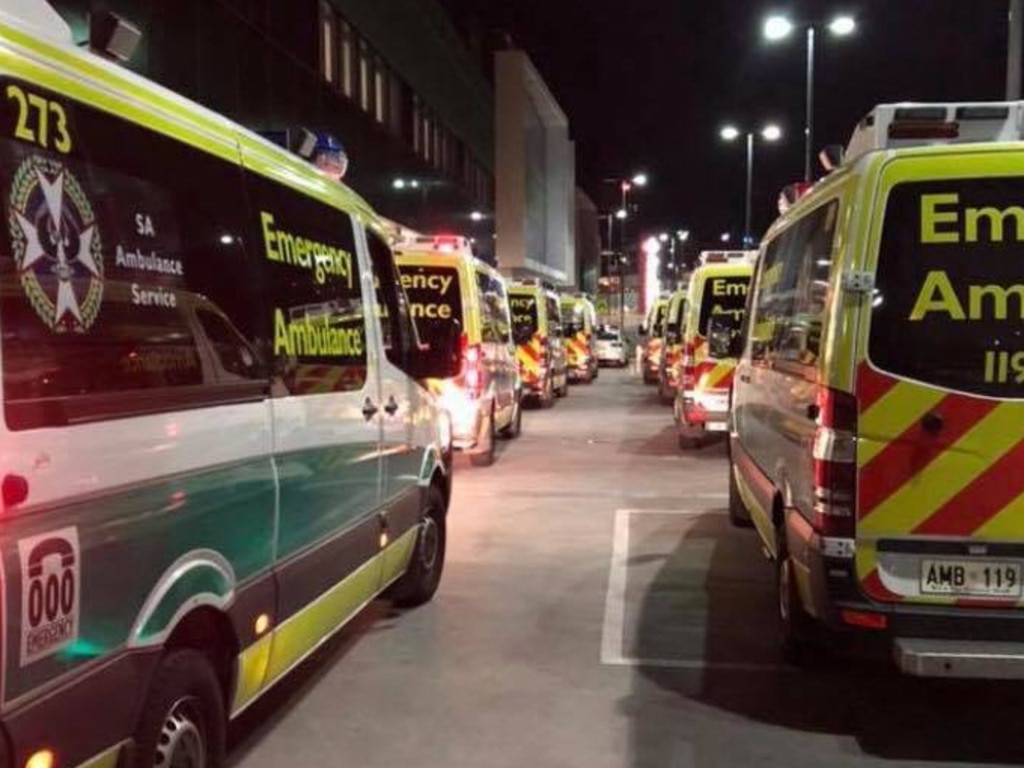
point(511, 432)
point(418, 585)
point(797, 634)
point(486, 457)
point(665, 394)
point(182, 721)
point(563, 390)
point(738, 513)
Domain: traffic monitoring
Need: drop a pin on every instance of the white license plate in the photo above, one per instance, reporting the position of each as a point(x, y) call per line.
point(975, 578)
point(716, 426)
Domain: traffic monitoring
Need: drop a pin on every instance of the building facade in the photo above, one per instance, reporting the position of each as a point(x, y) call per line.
point(394, 82)
point(536, 175)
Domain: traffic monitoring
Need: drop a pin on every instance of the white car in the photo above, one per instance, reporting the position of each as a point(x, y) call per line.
point(610, 348)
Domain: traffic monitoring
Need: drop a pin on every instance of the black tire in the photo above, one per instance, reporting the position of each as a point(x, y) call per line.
point(666, 395)
point(418, 584)
point(738, 513)
point(513, 430)
point(797, 632)
point(183, 716)
point(486, 458)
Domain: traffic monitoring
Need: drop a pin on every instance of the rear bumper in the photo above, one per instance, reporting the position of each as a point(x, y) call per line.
point(934, 641)
point(959, 658)
point(708, 409)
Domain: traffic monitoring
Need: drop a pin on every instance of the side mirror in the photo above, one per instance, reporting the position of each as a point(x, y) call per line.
point(642, 330)
point(722, 339)
point(440, 358)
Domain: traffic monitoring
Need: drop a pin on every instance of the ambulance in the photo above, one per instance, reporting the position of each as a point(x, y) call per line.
point(715, 305)
point(877, 433)
point(672, 346)
point(579, 321)
point(451, 292)
point(540, 342)
point(652, 331)
point(215, 446)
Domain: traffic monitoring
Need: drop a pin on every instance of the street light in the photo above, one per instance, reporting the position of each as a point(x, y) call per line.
point(476, 216)
point(778, 28)
point(621, 214)
point(663, 237)
point(683, 234)
point(398, 183)
point(640, 179)
point(726, 237)
point(770, 133)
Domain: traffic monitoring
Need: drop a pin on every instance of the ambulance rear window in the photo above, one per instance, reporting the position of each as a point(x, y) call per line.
point(524, 317)
point(658, 321)
point(948, 304)
point(725, 297)
point(435, 299)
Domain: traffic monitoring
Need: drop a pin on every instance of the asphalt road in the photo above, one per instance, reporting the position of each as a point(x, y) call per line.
point(597, 609)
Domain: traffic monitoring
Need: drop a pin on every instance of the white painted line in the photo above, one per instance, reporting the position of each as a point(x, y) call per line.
point(678, 512)
point(615, 598)
point(697, 664)
point(615, 607)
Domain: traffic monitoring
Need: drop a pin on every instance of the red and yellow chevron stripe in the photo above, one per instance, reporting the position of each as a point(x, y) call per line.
point(577, 349)
point(964, 481)
point(528, 357)
point(711, 374)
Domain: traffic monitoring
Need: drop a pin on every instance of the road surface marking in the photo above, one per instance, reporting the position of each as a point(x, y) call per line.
point(613, 629)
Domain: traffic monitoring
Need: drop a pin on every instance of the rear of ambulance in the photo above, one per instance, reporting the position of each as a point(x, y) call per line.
point(935, 506)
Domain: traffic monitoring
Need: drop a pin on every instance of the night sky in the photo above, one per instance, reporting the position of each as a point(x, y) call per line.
point(648, 83)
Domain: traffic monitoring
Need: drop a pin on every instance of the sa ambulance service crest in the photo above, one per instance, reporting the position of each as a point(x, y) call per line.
point(56, 245)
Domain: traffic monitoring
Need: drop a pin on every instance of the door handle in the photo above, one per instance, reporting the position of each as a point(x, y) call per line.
point(369, 409)
point(392, 406)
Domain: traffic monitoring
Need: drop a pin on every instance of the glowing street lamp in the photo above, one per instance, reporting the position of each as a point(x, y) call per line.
point(640, 179)
point(769, 133)
point(777, 28)
point(476, 216)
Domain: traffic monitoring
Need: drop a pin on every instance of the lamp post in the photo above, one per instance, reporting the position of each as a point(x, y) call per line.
point(769, 133)
point(778, 28)
point(626, 185)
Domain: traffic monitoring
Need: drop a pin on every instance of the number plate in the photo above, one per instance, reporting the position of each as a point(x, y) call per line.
point(973, 578)
point(717, 426)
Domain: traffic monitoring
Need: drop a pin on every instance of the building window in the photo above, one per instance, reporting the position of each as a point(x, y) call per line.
point(328, 36)
point(365, 94)
point(347, 53)
point(380, 87)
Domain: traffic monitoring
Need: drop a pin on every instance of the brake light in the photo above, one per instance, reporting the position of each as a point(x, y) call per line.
point(472, 375)
point(689, 377)
point(835, 463)
point(446, 243)
point(924, 129)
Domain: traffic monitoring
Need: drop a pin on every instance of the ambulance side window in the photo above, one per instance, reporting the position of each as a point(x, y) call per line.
point(494, 309)
point(791, 291)
point(314, 300)
point(554, 318)
point(110, 248)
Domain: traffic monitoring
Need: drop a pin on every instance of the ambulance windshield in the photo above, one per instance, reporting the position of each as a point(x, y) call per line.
point(524, 317)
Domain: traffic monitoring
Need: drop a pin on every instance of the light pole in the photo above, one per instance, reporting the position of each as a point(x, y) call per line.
point(780, 27)
point(769, 133)
point(626, 185)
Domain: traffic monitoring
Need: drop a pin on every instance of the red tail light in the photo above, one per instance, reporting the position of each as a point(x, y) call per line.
point(472, 373)
point(689, 377)
point(835, 463)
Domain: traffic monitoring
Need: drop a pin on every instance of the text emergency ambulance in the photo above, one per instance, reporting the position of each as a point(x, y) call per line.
point(653, 330)
point(540, 348)
point(579, 319)
point(715, 306)
point(878, 408)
